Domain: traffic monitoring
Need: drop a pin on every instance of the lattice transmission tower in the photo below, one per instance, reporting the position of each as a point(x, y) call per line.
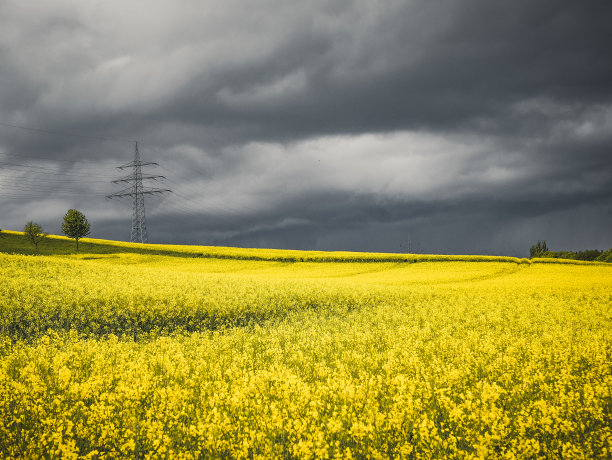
point(137, 191)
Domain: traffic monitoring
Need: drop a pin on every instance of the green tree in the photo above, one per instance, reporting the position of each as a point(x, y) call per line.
point(34, 233)
point(605, 256)
point(538, 249)
point(75, 226)
point(588, 254)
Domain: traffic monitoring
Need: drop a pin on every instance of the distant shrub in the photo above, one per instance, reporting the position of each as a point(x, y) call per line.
point(538, 249)
point(589, 254)
point(605, 256)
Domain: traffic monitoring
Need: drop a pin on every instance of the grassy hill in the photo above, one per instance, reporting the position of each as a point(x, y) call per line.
point(14, 243)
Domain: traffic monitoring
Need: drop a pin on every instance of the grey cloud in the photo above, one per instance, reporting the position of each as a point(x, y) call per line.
point(307, 69)
point(471, 125)
point(463, 74)
point(343, 222)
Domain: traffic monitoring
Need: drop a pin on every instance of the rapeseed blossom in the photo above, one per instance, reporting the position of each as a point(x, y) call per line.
point(158, 356)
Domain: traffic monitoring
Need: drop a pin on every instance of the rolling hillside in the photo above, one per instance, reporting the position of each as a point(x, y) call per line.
point(126, 351)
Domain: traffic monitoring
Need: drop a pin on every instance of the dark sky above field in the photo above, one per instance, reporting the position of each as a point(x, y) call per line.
point(457, 126)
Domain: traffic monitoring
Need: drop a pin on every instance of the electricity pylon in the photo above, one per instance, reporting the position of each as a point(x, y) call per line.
point(137, 191)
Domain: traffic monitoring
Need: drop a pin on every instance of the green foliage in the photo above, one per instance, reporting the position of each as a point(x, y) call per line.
point(541, 250)
point(588, 255)
point(75, 226)
point(34, 233)
point(605, 256)
point(538, 249)
point(14, 243)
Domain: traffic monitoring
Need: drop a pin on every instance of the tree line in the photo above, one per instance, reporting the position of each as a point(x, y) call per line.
point(540, 249)
point(74, 225)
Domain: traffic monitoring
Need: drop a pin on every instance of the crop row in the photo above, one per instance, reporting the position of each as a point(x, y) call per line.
point(142, 356)
point(433, 379)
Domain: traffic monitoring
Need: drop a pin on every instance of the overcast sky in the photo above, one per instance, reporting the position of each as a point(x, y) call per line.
point(457, 126)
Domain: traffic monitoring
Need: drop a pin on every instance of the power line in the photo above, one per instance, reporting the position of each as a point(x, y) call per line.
point(47, 181)
point(43, 170)
point(137, 191)
point(184, 185)
point(45, 194)
point(36, 179)
point(64, 134)
point(48, 188)
point(29, 185)
point(189, 188)
point(33, 181)
point(54, 160)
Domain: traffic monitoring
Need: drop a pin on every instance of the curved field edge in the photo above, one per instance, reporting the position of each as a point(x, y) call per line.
point(13, 242)
point(140, 295)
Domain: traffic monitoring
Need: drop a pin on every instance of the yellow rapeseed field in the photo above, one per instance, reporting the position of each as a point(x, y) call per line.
point(127, 351)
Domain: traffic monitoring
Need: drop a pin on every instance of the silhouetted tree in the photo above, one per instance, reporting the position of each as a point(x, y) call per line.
point(538, 249)
point(588, 254)
point(605, 256)
point(75, 226)
point(34, 233)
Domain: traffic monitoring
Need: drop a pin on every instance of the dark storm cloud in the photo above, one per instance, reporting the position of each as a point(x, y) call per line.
point(470, 125)
point(309, 69)
point(455, 65)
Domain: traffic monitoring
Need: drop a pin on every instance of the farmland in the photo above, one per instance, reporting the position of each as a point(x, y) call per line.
point(196, 352)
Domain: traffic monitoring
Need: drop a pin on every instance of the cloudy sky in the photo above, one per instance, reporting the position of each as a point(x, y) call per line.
point(457, 126)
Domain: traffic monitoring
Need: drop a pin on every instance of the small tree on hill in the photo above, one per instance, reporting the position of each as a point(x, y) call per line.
point(75, 226)
point(538, 249)
point(34, 233)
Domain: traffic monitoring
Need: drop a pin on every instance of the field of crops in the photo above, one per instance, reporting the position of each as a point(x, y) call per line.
point(193, 352)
